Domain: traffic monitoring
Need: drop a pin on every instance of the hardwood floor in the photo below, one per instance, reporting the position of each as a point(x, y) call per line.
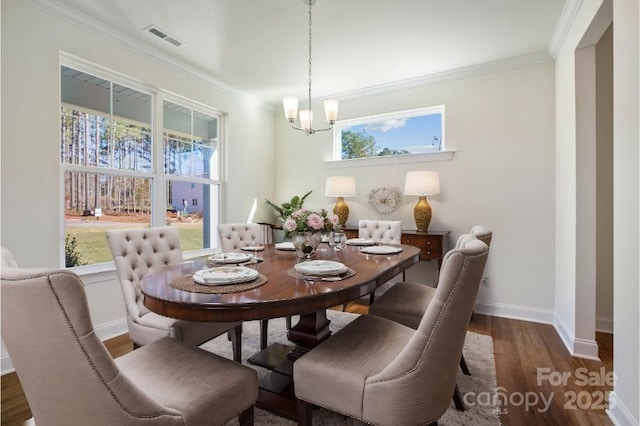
point(530, 360)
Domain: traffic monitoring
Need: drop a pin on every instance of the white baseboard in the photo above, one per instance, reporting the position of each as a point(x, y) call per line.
point(618, 413)
point(524, 313)
point(104, 332)
point(579, 348)
point(604, 325)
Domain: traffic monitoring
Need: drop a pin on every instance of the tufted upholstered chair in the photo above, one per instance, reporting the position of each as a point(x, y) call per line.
point(386, 373)
point(381, 231)
point(136, 252)
point(234, 236)
point(69, 377)
point(406, 302)
point(6, 258)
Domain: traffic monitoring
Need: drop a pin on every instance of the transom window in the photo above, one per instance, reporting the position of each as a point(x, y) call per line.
point(418, 131)
point(119, 171)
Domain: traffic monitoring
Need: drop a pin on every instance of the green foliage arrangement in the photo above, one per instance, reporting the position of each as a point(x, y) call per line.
point(72, 256)
point(284, 211)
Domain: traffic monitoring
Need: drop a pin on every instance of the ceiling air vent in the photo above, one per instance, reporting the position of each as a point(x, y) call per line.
point(163, 35)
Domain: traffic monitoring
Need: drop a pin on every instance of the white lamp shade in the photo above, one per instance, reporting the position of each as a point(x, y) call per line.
point(306, 119)
point(422, 182)
point(331, 110)
point(340, 186)
point(290, 104)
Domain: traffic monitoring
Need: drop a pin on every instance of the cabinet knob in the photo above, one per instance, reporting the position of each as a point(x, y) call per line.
point(428, 243)
point(428, 252)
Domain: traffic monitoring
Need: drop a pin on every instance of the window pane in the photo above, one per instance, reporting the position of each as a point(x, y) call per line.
point(190, 142)
point(95, 135)
point(96, 203)
point(193, 209)
point(392, 134)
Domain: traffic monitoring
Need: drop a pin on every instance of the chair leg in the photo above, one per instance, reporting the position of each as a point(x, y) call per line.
point(288, 320)
point(372, 297)
point(246, 417)
point(263, 333)
point(457, 399)
point(463, 366)
point(304, 412)
point(235, 337)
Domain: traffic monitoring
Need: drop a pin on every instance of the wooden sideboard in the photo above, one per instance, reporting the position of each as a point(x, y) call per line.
point(432, 244)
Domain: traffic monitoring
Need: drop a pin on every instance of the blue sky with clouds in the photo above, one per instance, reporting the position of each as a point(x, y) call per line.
point(414, 134)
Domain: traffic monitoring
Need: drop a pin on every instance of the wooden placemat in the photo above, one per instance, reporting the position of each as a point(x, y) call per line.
point(186, 283)
point(297, 275)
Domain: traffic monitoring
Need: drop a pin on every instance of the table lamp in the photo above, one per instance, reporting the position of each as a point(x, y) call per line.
point(422, 183)
point(340, 186)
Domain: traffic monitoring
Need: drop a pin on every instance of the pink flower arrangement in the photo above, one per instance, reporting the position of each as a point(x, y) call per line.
point(303, 220)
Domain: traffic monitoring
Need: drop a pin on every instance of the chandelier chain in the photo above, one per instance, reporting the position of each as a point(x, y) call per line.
point(310, 3)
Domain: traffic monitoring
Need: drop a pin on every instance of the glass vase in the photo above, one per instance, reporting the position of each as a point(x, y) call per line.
point(306, 243)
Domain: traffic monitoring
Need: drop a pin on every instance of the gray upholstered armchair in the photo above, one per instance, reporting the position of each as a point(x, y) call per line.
point(136, 252)
point(385, 373)
point(68, 376)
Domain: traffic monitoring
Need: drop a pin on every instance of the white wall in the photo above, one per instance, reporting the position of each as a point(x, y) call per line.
point(31, 194)
point(502, 176)
point(626, 130)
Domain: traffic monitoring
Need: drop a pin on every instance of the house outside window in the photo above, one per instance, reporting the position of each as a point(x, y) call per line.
point(413, 132)
point(120, 172)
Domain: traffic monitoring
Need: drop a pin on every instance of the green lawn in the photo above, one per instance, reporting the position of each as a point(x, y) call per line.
point(93, 248)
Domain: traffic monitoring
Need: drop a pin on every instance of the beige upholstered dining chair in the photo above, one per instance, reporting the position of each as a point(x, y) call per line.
point(383, 232)
point(68, 376)
point(137, 252)
point(385, 373)
point(234, 236)
point(406, 302)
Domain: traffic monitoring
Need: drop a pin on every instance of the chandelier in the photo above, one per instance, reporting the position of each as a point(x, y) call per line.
point(290, 103)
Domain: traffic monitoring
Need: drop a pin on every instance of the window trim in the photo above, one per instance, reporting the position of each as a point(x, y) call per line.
point(341, 124)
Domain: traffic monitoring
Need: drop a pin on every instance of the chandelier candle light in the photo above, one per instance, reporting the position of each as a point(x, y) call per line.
point(422, 183)
point(290, 103)
point(340, 186)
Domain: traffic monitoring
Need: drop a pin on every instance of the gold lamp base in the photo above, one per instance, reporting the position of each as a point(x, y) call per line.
point(422, 214)
point(342, 211)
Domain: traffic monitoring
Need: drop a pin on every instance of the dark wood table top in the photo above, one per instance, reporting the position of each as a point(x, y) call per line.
point(282, 295)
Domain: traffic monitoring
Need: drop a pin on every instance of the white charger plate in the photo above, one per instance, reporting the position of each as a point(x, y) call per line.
point(230, 257)
point(361, 242)
point(225, 275)
point(252, 248)
point(287, 245)
point(320, 267)
point(381, 250)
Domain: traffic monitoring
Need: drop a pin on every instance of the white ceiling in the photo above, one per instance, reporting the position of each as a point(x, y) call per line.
point(261, 46)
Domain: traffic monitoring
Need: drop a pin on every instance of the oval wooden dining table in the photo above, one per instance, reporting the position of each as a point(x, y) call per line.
point(282, 295)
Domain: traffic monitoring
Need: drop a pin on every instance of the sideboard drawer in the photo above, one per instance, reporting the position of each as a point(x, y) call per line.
point(430, 245)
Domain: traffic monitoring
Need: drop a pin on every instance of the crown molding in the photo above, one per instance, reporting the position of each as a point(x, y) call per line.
point(565, 21)
point(445, 76)
point(89, 24)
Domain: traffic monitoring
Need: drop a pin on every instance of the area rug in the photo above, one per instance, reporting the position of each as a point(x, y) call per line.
point(478, 352)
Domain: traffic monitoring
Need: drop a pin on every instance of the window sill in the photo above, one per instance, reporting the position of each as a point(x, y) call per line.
point(391, 159)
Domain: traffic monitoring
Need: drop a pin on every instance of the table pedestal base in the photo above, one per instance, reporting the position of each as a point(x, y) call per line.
point(276, 392)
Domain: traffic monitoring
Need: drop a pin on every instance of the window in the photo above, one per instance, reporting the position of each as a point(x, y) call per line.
point(112, 176)
point(418, 131)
